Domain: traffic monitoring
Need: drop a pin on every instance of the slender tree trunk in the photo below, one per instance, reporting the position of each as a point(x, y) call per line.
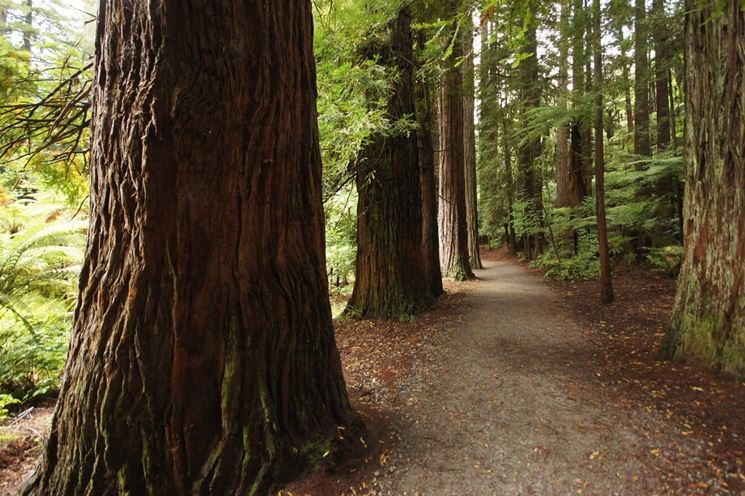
point(529, 151)
point(28, 29)
point(661, 69)
point(578, 131)
point(606, 281)
point(390, 274)
point(469, 145)
point(452, 205)
point(587, 139)
point(563, 198)
point(202, 357)
point(708, 321)
point(642, 144)
point(426, 119)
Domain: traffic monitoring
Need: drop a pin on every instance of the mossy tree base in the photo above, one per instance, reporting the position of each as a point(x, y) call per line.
point(708, 321)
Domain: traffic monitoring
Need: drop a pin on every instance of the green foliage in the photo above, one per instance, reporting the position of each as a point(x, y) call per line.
point(5, 401)
point(40, 254)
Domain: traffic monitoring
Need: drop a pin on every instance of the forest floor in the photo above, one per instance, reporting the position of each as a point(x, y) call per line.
point(517, 385)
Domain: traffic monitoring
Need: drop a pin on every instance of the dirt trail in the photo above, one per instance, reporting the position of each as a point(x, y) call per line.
point(513, 408)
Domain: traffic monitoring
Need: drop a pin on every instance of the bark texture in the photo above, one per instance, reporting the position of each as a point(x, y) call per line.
point(469, 146)
point(579, 157)
point(562, 133)
point(661, 73)
point(708, 321)
point(425, 110)
point(390, 277)
point(452, 204)
point(605, 281)
point(529, 151)
point(202, 358)
point(642, 144)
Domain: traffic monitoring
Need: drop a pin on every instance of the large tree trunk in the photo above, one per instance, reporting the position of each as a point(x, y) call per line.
point(529, 151)
point(606, 281)
point(469, 147)
point(202, 358)
point(642, 144)
point(425, 110)
point(563, 176)
point(661, 70)
point(390, 275)
point(708, 321)
point(452, 204)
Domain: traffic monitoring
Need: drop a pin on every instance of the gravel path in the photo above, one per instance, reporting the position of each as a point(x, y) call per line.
point(512, 407)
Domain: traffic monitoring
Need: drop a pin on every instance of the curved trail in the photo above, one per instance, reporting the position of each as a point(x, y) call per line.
point(514, 407)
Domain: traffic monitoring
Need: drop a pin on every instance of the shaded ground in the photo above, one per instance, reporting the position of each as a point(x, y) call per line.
point(533, 388)
point(514, 385)
point(20, 445)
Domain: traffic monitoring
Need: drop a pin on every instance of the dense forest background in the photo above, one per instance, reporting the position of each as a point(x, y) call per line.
point(528, 151)
point(191, 191)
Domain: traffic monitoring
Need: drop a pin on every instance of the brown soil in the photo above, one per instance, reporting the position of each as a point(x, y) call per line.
point(517, 385)
point(20, 445)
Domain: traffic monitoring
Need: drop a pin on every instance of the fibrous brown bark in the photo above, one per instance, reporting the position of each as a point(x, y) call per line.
point(642, 144)
point(605, 282)
point(562, 133)
point(580, 128)
point(425, 109)
point(661, 70)
point(202, 358)
point(390, 275)
point(529, 151)
point(469, 147)
point(708, 320)
point(452, 201)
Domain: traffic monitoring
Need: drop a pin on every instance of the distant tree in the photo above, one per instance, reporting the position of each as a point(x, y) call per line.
point(469, 145)
point(606, 282)
point(662, 62)
point(708, 320)
point(530, 149)
point(202, 358)
point(425, 113)
point(642, 144)
point(390, 275)
point(452, 202)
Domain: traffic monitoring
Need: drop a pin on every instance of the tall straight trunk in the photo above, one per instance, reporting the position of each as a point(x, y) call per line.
point(606, 281)
point(425, 112)
point(510, 182)
point(28, 29)
point(529, 151)
point(578, 132)
point(452, 205)
point(562, 133)
point(202, 358)
point(642, 145)
point(469, 148)
point(390, 276)
point(661, 70)
point(708, 320)
point(587, 139)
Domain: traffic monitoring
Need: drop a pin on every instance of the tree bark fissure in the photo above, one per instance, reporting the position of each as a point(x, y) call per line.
point(708, 320)
point(390, 273)
point(202, 357)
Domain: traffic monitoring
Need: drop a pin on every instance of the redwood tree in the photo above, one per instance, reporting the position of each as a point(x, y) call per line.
point(202, 358)
point(469, 148)
point(708, 321)
point(452, 205)
point(425, 112)
point(390, 276)
point(642, 145)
